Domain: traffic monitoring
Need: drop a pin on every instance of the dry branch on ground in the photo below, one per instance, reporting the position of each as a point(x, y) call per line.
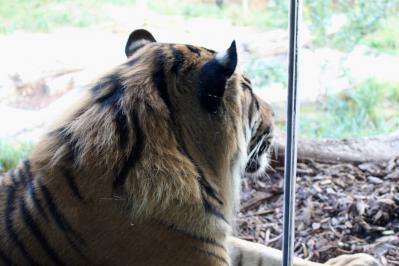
point(372, 149)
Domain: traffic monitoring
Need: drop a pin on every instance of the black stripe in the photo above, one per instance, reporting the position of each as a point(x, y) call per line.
point(22, 177)
point(103, 84)
point(251, 109)
point(194, 49)
point(120, 179)
point(116, 90)
point(262, 147)
point(208, 188)
point(240, 259)
point(25, 172)
point(34, 229)
point(259, 137)
point(58, 217)
point(211, 209)
point(246, 86)
point(159, 78)
point(260, 261)
point(212, 242)
point(13, 179)
point(5, 258)
point(267, 131)
point(32, 191)
point(202, 239)
point(132, 62)
point(256, 138)
point(246, 80)
point(256, 103)
point(26, 164)
point(112, 99)
point(121, 127)
point(211, 254)
point(67, 138)
point(209, 50)
point(36, 201)
point(70, 180)
point(178, 60)
point(208, 192)
point(10, 229)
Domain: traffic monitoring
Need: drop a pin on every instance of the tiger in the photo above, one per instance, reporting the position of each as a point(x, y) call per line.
point(145, 168)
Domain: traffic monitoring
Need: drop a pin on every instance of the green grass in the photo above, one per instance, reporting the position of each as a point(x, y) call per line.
point(263, 73)
point(274, 17)
point(368, 109)
point(386, 38)
point(374, 23)
point(45, 15)
point(11, 152)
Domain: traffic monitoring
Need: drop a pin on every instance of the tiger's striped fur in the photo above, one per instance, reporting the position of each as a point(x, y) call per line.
point(145, 169)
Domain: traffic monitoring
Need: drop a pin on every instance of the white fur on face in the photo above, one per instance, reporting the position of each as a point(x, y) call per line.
point(262, 159)
point(237, 170)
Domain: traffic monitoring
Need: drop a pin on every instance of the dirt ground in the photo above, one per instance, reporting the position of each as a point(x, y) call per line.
point(340, 209)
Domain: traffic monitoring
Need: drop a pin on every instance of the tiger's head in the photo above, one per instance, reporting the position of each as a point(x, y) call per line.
point(174, 124)
point(206, 92)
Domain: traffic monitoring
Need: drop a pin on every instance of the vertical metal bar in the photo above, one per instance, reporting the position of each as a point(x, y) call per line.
point(291, 141)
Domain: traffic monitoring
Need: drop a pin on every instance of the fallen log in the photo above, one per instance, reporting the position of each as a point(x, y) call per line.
point(39, 86)
point(334, 151)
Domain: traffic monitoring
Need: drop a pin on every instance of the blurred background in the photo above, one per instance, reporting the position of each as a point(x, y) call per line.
point(51, 50)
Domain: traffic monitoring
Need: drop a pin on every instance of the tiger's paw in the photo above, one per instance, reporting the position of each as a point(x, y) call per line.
point(359, 259)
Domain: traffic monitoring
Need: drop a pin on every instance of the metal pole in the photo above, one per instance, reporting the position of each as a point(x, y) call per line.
point(291, 141)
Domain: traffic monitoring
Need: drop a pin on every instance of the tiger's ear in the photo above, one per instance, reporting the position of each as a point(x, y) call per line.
point(213, 77)
point(138, 39)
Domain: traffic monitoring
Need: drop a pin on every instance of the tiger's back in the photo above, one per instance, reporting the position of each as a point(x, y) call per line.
point(42, 231)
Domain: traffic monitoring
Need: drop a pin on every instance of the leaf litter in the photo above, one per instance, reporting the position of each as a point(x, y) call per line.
point(340, 209)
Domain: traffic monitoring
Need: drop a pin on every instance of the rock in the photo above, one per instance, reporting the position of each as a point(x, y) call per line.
point(374, 180)
point(371, 168)
point(316, 226)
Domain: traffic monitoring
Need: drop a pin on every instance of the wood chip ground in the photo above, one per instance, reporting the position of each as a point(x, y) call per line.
point(340, 209)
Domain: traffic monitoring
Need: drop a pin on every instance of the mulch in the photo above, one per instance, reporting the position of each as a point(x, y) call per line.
point(340, 209)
